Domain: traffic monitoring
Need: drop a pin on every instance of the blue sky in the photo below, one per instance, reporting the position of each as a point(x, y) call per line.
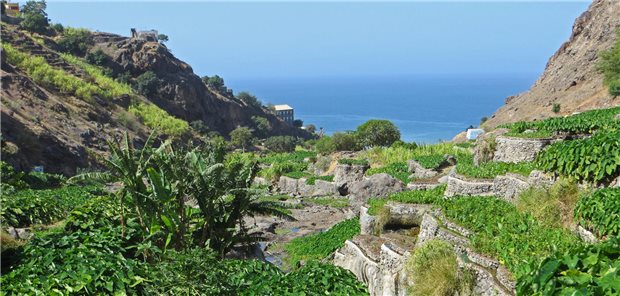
point(241, 40)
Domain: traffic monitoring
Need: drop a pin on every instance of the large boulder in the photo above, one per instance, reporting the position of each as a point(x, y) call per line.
point(347, 174)
point(378, 185)
point(288, 185)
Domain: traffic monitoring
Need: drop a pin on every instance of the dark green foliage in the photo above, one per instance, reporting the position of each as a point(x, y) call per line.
point(377, 132)
point(312, 180)
point(430, 161)
point(353, 161)
point(582, 123)
point(588, 270)
point(199, 126)
point(35, 17)
point(402, 144)
point(96, 58)
point(505, 233)
point(85, 258)
point(262, 125)
point(27, 207)
point(124, 77)
point(320, 245)
point(215, 82)
point(298, 123)
point(241, 137)
point(75, 41)
point(489, 170)
point(556, 108)
point(281, 143)
point(397, 170)
point(247, 98)
point(297, 174)
point(483, 120)
point(311, 128)
point(432, 196)
point(11, 179)
point(346, 142)
point(163, 38)
point(325, 145)
point(147, 83)
point(610, 66)
point(37, 180)
point(58, 27)
point(595, 159)
point(297, 156)
point(600, 211)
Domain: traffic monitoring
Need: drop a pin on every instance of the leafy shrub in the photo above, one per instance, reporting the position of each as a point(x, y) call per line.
point(397, 170)
point(75, 41)
point(281, 143)
point(334, 202)
point(489, 170)
point(297, 157)
point(600, 211)
point(551, 206)
point(241, 137)
point(430, 161)
point(588, 270)
point(27, 207)
point(312, 180)
point(41, 72)
point(376, 132)
point(431, 196)
point(320, 245)
point(96, 58)
point(147, 83)
point(353, 161)
point(346, 142)
point(434, 270)
point(595, 159)
point(556, 108)
point(298, 123)
point(609, 65)
point(401, 144)
point(247, 98)
point(36, 180)
point(501, 231)
point(582, 123)
point(11, 179)
point(58, 27)
point(34, 16)
point(262, 125)
point(215, 81)
point(157, 118)
point(325, 145)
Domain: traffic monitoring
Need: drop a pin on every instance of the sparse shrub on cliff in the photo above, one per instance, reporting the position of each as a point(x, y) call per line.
point(75, 41)
point(433, 269)
point(262, 125)
point(556, 108)
point(147, 83)
point(96, 58)
point(245, 97)
point(609, 65)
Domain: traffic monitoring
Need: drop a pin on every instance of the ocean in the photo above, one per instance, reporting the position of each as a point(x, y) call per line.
point(426, 109)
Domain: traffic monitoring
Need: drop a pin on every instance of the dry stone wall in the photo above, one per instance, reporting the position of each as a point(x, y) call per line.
point(509, 149)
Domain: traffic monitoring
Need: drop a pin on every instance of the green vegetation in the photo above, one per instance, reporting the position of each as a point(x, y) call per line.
point(75, 41)
point(383, 156)
point(353, 161)
point(98, 57)
point(325, 145)
point(556, 108)
point(321, 245)
point(291, 164)
point(346, 141)
point(588, 270)
point(609, 65)
point(505, 233)
point(311, 180)
point(241, 137)
point(156, 118)
point(34, 16)
point(376, 132)
point(594, 159)
point(147, 83)
point(110, 88)
point(248, 98)
point(431, 196)
point(262, 125)
point(216, 82)
point(551, 206)
point(582, 123)
point(599, 211)
point(41, 72)
point(297, 174)
point(488, 170)
point(281, 143)
point(430, 161)
point(27, 207)
point(397, 170)
point(435, 271)
point(334, 202)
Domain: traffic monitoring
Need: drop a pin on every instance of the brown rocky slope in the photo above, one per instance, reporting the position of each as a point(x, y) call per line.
point(570, 78)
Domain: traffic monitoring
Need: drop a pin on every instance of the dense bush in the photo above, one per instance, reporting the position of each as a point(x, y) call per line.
point(610, 66)
point(296, 157)
point(98, 57)
point(402, 144)
point(215, 81)
point(430, 161)
point(346, 142)
point(147, 83)
point(248, 98)
point(36, 180)
point(281, 143)
point(41, 72)
point(157, 118)
point(34, 16)
point(320, 245)
point(589, 270)
point(75, 41)
point(600, 212)
point(27, 207)
point(241, 137)
point(376, 132)
point(397, 170)
point(595, 159)
point(262, 125)
point(325, 145)
point(434, 270)
point(489, 170)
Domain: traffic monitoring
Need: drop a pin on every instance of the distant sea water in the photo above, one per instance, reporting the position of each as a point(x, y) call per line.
point(427, 109)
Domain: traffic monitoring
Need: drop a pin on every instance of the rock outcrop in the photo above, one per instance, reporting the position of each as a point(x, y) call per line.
point(571, 78)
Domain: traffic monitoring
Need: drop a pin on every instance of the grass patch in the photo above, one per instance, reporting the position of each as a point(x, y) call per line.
point(352, 161)
point(551, 206)
point(157, 118)
point(397, 170)
point(333, 202)
point(490, 170)
point(432, 196)
point(320, 245)
point(383, 156)
point(430, 161)
point(297, 175)
point(312, 180)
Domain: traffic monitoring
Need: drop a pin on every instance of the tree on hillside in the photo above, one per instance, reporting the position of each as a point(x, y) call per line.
point(75, 41)
point(216, 82)
point(249, 99)
point(263, 127)
point(298, 123)
point(346, 141)
point(610, 67)
point(163, 38)
point(241, 137)
point(377, 132)
point(147, 83)
point(311, 128)
point(35, 17)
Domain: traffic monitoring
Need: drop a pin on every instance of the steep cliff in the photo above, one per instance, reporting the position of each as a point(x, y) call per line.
point(570, 78)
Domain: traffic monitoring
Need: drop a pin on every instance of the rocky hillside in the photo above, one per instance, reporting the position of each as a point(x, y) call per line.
point(44, 124)
point(570, 78)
